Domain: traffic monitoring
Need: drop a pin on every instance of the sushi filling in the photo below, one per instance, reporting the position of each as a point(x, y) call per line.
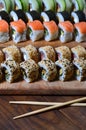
point(46, 32)
point(43, 72)
point(61, 32)
point(24, 73)
point(7, 74)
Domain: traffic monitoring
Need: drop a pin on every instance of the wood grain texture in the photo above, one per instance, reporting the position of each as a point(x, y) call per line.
point(70, 118)
point(41, 87)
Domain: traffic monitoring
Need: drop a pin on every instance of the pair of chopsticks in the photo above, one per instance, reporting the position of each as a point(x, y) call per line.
point(54, 105)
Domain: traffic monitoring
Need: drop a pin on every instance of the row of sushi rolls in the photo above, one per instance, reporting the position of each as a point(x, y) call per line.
point(63, 20)
point(47, 63)
point(42, 19)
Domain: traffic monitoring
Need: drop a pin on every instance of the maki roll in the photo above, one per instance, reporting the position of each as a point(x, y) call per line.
point(50, 31)
point(18, 31)
point(63, 52)
point(30, 70)
point(65, 68)
point(35, 30)
point(5, 5)
point(49, 5)
point(5, 16)
point(2, 57)
point(22, 4)
point(35, 5)
point(60, 5)
point(18, 14)
point(18, 4)
point(78, 16)
point(80, 31)
point(78, 5)
point(33, 15)
point(11, 70)
point(47, 52)
point(12, 53)
point(30, 52)
point(78, 52)
point(48, 70)
point(69, 5)
point(4, 31)
point(48, 16)
point(63, 16)
point(80, 69)
point(66, 30)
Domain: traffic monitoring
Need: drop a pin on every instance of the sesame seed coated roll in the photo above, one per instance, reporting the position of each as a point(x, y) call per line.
point(48, 70)
point(11, 70)
point(30, 70)
point(12, 53)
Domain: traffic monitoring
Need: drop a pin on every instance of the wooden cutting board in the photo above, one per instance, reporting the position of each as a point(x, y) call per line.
point(42, 87)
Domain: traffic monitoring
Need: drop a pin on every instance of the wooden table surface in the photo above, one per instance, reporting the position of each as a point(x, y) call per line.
point(69, 118)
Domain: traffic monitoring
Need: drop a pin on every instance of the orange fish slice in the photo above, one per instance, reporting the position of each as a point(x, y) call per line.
point(36, 25)
point(19, 25)
point(81, 26)
point(51, 25)
point(4, 27)
point(67, 25)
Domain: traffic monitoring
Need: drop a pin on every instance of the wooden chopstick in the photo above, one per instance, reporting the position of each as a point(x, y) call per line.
point(44, 103)
point(50, 108)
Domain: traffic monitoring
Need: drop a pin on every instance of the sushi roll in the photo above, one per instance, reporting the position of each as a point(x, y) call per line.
point(18, 5)
point(11, 70)
point(4, 31)
point(30, 52)
point(35, 30)
point(78, 16)
point(80, 31)
point(22, 4)
point(5, 5)
point(35, 5)
point(65, 68)
point(66, 30)
point(48, 16)
point(5, 16)
point(18, 31)
point(48, 70)
point(63, 52)
point(30, 70)
point(33, 15)
point(2, 57)
point(60, 5)
point(69, 5)
point(49, 5)
point(80, 69)
point(18, 14)
point(47, 52)
point(50, 31)
point(63, 16)
point(78, 52)
point(78, 5)
point(12, 53)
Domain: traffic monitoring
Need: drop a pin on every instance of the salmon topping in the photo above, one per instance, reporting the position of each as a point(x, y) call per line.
point(81, 27)
point(19, 25)
point(67, 25)
point(4, 27)
point(36, 25)
point(51, 26)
